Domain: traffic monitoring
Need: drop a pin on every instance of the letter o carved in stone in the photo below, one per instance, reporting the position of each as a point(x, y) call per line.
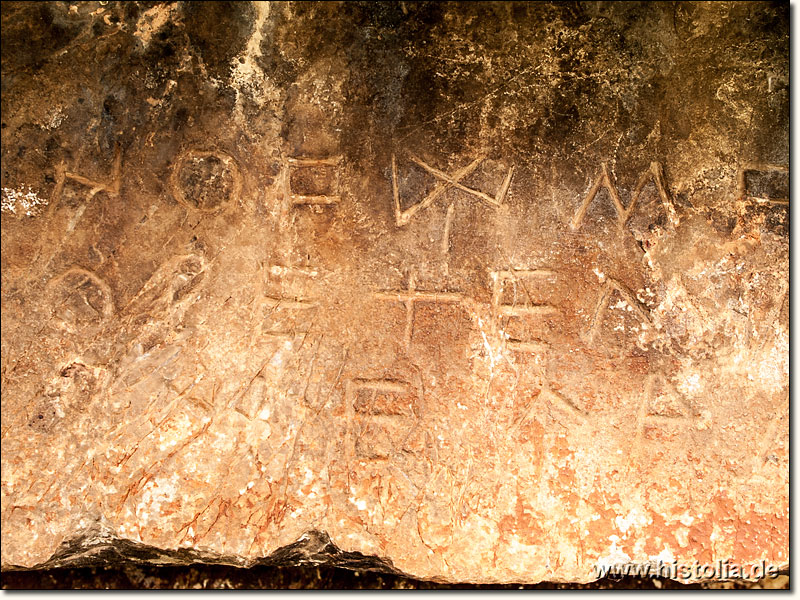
point(205, 181)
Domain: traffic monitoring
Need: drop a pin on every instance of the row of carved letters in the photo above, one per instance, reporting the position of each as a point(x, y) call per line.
point(444, 182)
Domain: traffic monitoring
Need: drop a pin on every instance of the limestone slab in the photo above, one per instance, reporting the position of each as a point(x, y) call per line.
point(485, 292)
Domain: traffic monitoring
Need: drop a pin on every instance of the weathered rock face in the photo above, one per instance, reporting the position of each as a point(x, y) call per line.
point(486, 292)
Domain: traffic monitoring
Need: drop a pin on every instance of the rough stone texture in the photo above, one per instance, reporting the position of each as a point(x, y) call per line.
point(148, 576)
point(473, 292)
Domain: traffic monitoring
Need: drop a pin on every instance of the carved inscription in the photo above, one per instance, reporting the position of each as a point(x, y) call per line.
point(206, 181)
point(251, 400)
point(284, 303)
point(606, 180)
point(665, 404)
point(611, 289)
point(80, 298)
point(561, 407)
point(445, 182)
point(664, 411)
point(312, 180)
point(498, 198)
point(111, 187)
point(765, 183)
point(525, 308)
point(380, 414)
point(402, 284)
point(409, 297)
point(53, 241)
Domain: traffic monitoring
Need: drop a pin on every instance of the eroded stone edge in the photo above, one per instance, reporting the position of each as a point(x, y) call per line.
point(99, 546)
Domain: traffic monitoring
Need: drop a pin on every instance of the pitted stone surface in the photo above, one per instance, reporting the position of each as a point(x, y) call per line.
point(481, 292)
